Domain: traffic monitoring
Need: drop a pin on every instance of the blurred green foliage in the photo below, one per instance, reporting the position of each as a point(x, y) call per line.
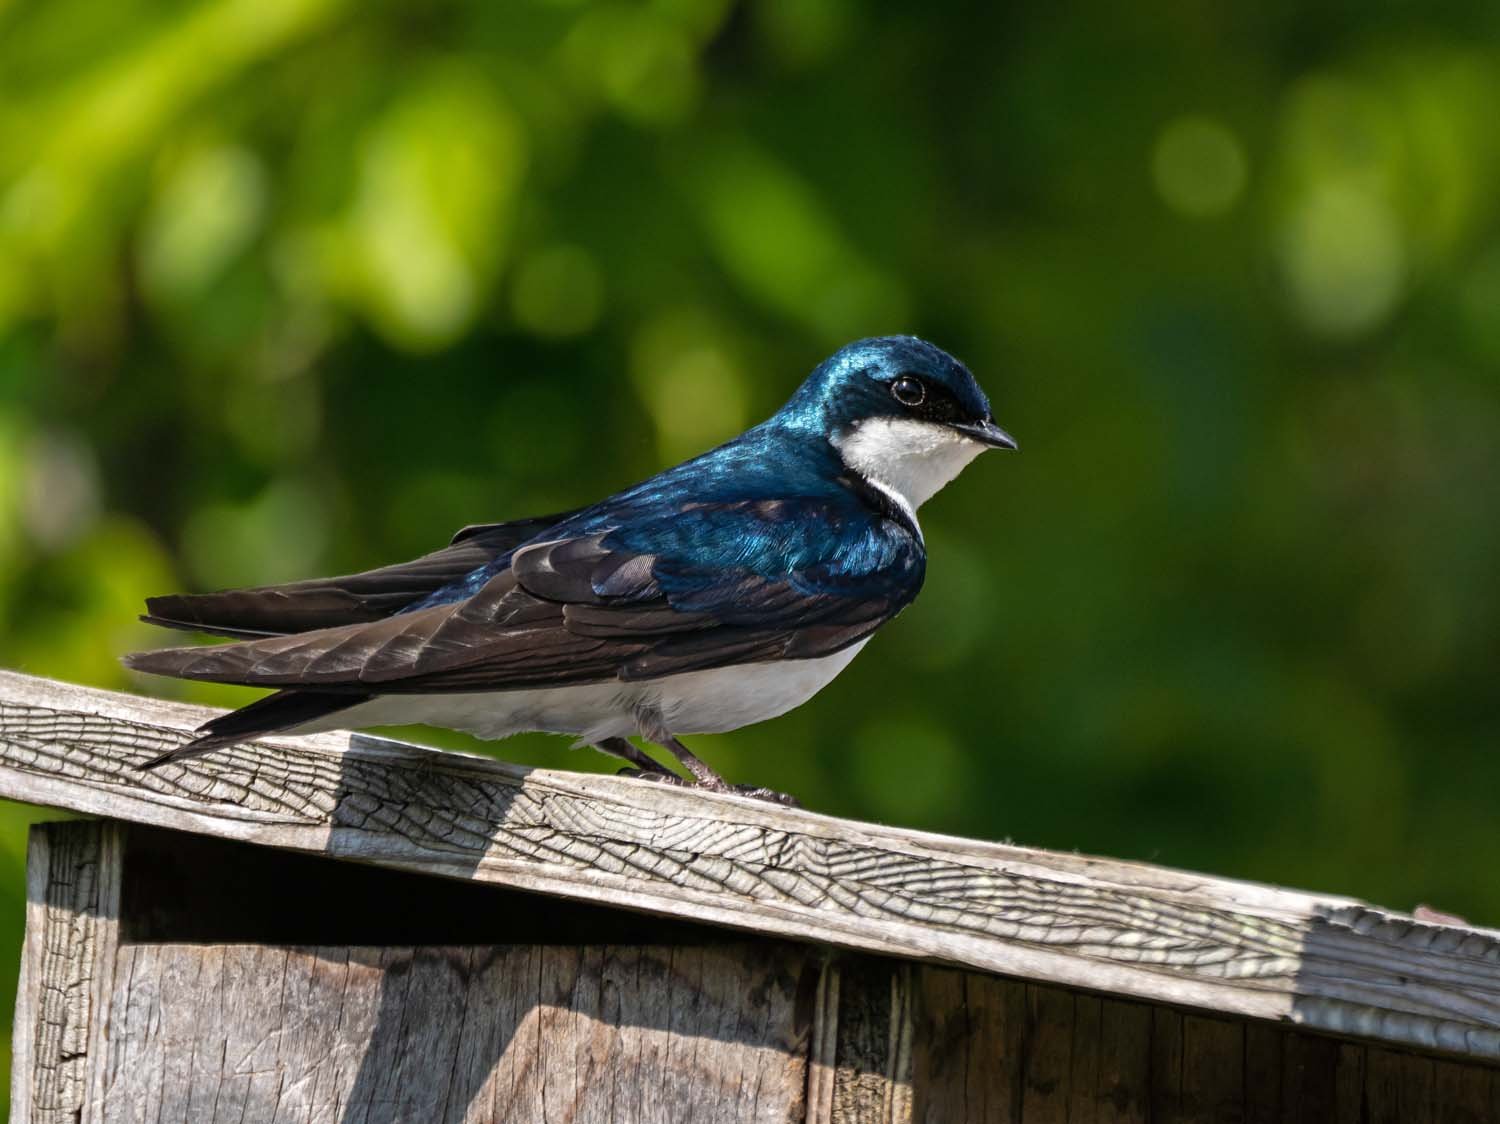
point(298, 286)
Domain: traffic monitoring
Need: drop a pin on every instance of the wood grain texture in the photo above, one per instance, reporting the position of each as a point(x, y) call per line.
point(872, 1033)
point(1123, 929)
point(1263, 1074)
point(970, 1043)
point(1047, 1057)
point(1139, 1063)
point(1213, 1069)
point(210, 1035)
point(1464, 1094)
point(1084, 1105)
point(1165, 1080)
point(72, 928)
point(1309, 1079)
point(1124, 1083)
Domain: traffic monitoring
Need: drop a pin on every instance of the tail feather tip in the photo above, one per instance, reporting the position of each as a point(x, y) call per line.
point(200, 744)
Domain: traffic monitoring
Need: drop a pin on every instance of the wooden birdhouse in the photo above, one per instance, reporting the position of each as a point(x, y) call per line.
point(346, 930)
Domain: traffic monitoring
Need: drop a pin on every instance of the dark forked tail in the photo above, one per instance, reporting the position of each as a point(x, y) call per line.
point(281, 711)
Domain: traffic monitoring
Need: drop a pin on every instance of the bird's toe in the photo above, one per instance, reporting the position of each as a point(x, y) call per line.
point(658, 778)
point(761, 792)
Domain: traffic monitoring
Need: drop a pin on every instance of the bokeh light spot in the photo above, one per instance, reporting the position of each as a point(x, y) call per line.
point(1343, 257)
point(11, 477)
point(802, 33)
point(780, 242)
point(559, 291)
point(641, 63)
point(909, 768)
point(691, 383)
point(205, 214)
point(274, 423)
point(1199, 167)
point(61, 496)
point(438, 177)
point(278, 536)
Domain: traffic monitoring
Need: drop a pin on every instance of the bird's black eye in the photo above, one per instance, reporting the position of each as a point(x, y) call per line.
point(909, 391)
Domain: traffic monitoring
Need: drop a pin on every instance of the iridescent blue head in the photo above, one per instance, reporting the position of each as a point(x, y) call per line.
point(902, 413)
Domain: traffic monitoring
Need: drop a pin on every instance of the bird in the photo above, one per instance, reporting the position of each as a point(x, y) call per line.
point(722, 592)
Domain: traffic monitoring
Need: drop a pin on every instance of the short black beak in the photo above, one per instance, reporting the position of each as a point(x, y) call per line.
point(988, 433)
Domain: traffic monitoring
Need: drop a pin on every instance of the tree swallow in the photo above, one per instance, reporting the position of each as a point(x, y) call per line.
point(719, 593)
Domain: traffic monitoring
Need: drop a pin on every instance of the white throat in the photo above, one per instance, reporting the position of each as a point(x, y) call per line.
point(907, 459)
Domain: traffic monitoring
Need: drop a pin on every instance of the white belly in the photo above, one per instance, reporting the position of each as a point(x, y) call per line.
point(697, 702)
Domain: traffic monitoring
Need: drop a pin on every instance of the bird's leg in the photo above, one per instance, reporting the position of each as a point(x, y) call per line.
point(711, 780)
point(655, 730)
point(646, 767)
point(694, 764)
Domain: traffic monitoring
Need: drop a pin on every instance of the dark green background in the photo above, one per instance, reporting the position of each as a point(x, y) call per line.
point(298, 286)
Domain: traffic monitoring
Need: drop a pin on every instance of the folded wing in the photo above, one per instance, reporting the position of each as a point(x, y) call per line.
point(714, 584)
point(352, 599)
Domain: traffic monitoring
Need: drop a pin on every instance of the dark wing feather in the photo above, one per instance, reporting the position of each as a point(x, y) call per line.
point(514, 533)
point(515, 635)
point(352, 599)
point(715, 586)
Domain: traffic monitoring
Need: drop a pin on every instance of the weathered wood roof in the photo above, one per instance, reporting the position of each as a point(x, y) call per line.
point(1129, 929)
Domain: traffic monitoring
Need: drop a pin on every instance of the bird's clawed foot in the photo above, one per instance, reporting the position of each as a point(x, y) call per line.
point(647, 768)
point(718, 784)
point(761, 792)
point(653, 775)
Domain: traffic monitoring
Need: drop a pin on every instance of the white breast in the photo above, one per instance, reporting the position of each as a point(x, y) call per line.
point(697, 702)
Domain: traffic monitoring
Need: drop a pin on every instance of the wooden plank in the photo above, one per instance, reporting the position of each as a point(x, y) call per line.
point(1166, 1066)
point(513, 1085)
point(72, 929)
point(1124, 1085)
point(1048, 1056)
point(1130, 930)
point(1383, 1087)
point(315, 1000)
point(823, 1044)
point(1084, 1074)
point(1415, 1089)
point(1462, 1094)
point(437, 1034)
point(1263, 1055)
point(28, 985)
point(942, 1038)
point(862, 1055)
point(863, 1039)
point(901, 1106)
point(1309, 1066)
point(128, 1033)
point(1213, 1070)
point(969, 1042)
point(657, 973)
point(1349, 1084)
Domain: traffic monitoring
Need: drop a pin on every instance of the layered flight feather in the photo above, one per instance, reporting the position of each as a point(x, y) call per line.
point(710, 585)
point(351, 599)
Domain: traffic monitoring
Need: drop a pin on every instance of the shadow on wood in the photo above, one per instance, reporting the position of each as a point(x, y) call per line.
point(479, 1035)
point(581, 1013)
